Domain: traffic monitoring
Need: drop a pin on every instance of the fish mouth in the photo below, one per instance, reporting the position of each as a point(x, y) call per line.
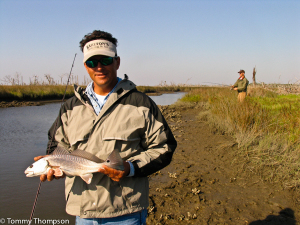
point(29, 174)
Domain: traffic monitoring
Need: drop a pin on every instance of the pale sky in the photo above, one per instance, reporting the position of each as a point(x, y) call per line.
point(177, 41)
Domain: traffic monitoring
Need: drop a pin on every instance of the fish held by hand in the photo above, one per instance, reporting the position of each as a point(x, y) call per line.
point(77, 163)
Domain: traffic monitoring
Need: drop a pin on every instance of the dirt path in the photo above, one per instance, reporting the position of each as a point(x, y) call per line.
point(203, 186)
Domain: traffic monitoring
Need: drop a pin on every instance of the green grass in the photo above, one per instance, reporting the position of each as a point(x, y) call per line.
point(284, 111)
point(266, 127)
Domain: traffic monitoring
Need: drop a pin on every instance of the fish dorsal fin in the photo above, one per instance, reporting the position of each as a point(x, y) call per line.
point(86, 155)
point(87, 177)
point(115, 161)
point(60, 151)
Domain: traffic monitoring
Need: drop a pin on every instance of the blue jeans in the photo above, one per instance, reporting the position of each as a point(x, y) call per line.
point(138, 218)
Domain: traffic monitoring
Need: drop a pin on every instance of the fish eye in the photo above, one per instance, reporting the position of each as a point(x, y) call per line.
point(107, 161)
point(31, 166)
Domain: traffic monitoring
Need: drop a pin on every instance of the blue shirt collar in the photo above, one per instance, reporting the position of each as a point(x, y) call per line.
point(97, 105)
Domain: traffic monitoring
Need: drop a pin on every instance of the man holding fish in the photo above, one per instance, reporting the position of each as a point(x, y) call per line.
point(107, 139)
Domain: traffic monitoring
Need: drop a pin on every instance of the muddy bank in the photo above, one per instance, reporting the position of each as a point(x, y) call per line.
point(204, 185)
point(4, 104)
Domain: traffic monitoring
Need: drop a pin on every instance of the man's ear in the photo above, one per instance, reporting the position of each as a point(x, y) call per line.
point(86, 67)
point(118, 63)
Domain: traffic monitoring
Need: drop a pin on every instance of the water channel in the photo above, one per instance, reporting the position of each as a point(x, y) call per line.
point(23, 135)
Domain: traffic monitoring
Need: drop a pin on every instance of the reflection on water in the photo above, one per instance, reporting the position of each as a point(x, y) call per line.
point(167, 99)
point(23, 135)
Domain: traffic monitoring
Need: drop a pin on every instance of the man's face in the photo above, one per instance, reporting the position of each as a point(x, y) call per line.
point(242, 74)
point(104, 77)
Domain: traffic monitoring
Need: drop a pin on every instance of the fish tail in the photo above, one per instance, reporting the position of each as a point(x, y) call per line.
point(115, 161)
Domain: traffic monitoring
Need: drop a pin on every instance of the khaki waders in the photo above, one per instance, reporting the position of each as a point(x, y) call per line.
point(242, 96)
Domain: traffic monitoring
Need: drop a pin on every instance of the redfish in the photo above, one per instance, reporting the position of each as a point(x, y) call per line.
point(77, 163)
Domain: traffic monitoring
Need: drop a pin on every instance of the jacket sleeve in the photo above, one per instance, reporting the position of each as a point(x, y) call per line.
point(57, 132)
point(52, 143)
point(236, 84)
point(158, 143)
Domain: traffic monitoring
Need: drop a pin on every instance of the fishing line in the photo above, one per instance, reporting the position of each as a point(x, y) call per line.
point(62, 101)
point(48, 148)
point(217, 84)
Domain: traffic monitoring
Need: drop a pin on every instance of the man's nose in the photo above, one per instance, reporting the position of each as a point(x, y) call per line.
point(99, 66)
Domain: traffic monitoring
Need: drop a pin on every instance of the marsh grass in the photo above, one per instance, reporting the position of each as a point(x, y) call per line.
point(55, 92)
point(165, 88)
point(265, 126)
point(34, 92)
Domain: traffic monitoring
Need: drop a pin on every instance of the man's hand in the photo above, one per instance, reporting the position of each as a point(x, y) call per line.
point(235, 89)
point(50, 175)
point(115, 175)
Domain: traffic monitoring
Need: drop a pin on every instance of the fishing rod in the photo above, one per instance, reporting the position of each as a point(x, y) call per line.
point(218, 84)
point(48, 148)
point(231, 87)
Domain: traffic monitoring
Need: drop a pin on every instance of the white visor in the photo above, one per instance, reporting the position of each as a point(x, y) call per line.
point(99, 47)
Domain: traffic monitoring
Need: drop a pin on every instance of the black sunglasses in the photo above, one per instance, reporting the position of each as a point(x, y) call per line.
point(105, 61)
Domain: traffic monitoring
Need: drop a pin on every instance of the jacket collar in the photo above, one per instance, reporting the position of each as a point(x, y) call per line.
point(123, 87)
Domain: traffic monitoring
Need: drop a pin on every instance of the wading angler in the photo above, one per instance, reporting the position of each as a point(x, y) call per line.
point(241, 86)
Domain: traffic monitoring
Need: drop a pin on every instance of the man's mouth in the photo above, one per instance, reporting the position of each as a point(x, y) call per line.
point(100, 75)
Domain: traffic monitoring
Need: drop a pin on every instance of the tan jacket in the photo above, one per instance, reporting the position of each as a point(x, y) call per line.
point(130, 122)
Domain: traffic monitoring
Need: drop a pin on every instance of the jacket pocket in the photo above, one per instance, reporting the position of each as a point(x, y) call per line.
point(78, 136)
point(127, 141)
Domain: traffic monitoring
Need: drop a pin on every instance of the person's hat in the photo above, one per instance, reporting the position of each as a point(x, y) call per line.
point(99, 47)
point(241, 71)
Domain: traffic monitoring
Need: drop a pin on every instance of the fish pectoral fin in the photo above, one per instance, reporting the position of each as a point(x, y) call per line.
point(58, 172)
point(87, 178)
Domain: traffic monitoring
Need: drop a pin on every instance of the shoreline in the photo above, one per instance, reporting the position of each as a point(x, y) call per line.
point(4, 104)
point(17, 103)
point(206, 182)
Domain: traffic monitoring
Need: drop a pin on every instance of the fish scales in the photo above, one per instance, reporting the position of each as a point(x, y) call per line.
point(73, 163)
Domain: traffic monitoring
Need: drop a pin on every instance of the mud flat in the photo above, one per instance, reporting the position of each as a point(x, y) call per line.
point(205, 183)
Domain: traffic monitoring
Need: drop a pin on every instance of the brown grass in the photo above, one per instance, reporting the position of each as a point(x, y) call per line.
point(265, 127)
point(34, 92)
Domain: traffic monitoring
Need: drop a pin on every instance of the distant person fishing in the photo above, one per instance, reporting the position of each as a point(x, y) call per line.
point(111, 120)
point(241, 86)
